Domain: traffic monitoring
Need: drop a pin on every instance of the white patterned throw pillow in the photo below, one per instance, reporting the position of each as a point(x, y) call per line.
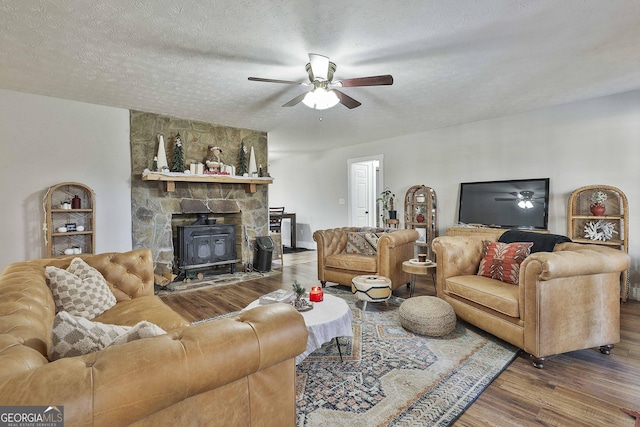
point(75, 336)
point(81, 290)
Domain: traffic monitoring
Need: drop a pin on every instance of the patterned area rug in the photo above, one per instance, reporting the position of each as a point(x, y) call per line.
point(392, 377)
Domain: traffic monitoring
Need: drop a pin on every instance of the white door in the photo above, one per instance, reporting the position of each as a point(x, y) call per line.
point(361, 206)
point(365, 175)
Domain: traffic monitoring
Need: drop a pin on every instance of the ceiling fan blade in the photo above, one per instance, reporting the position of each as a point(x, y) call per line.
point(319, 66)
point(295, 100)
point(287, 82)
point(503, 199)
point(386, 79)
point(346, 100)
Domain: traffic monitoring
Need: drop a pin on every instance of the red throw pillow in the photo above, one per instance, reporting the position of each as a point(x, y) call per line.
point(501, 261)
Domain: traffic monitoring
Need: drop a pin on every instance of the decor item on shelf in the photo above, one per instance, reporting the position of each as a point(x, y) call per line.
point(420, 217)
point(65, 205)
point(75, 202)
point(597, 203)
point(62, 229)
point(154, 167)
point(69, 251)
point(242, 160)
point(178, 155)
point(214, 159)
point(162, 154)
point(253, 169)
point(599, 230)
point(80, 228)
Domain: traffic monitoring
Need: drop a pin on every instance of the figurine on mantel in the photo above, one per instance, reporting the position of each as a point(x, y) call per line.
point(214, 159)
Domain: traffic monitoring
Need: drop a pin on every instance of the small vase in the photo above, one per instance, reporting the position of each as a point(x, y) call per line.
point(597, 209)
point(420, 217)
point(393, 214)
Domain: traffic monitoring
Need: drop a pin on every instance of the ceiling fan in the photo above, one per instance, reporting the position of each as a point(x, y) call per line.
point(523, 198)
point(323, 93)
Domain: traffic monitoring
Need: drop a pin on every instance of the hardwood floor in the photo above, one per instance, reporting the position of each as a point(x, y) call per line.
point(581, 388)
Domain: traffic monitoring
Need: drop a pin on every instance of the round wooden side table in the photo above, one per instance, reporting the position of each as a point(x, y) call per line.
point(419, 270)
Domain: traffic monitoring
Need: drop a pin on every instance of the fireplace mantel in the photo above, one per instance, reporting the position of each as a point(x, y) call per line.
point(170, 179)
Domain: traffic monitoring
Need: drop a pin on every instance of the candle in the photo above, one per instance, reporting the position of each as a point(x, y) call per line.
point(316, 294)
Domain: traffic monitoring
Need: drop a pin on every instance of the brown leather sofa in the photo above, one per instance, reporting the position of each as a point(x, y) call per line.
point(337, 266)
point(567, 300)
point(235, 371)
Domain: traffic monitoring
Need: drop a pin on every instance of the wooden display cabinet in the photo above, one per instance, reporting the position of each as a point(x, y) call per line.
point(57, 216)
point(420, 212)
point(616, 215)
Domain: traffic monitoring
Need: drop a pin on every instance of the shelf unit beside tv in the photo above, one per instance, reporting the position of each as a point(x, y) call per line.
point(414, 204)
point(616, 213)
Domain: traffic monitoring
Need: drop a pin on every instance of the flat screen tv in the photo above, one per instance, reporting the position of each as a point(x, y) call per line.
point(518, 203)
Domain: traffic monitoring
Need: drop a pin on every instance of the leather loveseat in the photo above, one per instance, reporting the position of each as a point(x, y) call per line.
point(235, 371)
point(336, 265)
point(566, 300)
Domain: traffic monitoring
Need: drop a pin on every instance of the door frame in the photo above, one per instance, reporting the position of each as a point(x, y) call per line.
point(376, 181)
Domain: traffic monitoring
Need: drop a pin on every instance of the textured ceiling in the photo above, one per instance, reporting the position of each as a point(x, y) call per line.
point(453, 61)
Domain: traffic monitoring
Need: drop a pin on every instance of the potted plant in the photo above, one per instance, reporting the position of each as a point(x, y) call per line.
point(597, 202)
point(386, 197)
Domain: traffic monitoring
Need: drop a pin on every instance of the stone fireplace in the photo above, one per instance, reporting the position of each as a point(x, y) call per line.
point(157, 213)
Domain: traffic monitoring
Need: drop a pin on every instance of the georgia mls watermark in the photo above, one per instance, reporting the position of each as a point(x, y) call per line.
point(31, 416)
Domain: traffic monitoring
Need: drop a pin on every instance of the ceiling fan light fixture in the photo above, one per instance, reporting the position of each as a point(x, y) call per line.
point(525, 204)
point(320, 99)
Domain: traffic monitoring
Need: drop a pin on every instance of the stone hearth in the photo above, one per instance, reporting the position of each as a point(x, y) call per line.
point(153, 208)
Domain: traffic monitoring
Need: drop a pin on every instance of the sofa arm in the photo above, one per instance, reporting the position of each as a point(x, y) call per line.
point(126, 383)
point(393, 249)
point(570, 298)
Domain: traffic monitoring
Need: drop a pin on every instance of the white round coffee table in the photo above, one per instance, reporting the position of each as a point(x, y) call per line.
point(327, 320)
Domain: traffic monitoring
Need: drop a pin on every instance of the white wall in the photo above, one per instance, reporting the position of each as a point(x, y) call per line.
point(586, 143)
point(45, 141)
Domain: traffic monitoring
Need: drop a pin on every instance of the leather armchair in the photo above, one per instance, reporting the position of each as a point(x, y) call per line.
point(337, 266)
point(566, 300)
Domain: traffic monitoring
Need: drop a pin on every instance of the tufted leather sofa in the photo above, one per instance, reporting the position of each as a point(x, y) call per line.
point(337, 266)
point(567, 300)
point(235, 371)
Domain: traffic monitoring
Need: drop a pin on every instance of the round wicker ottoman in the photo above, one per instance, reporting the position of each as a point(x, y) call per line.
point(371, 288)
point(429, 316)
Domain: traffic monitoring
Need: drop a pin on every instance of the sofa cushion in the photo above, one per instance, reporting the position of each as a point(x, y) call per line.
point(501, 261)
point(150, 308)
point(352, 262)
point(494, 294)
point(85, 294)
point(75, 335)
point(358, 244)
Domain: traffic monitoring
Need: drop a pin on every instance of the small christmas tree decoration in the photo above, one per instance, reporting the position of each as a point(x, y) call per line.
point(178, 156)
point(242, 160)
